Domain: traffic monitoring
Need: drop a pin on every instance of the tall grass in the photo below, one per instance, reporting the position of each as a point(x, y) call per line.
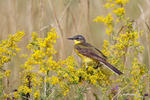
point(68, 17)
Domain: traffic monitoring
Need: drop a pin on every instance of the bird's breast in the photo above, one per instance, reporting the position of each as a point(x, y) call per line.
point(84, 58)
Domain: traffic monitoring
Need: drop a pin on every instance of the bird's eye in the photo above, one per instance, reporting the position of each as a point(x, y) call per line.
point(77, 38)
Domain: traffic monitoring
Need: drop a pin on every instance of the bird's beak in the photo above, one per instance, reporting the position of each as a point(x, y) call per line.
point(70, 38)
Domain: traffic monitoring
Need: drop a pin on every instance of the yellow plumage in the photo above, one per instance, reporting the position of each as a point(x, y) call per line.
point(84, 58)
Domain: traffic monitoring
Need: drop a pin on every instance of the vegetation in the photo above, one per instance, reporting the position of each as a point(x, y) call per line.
point(44, 75)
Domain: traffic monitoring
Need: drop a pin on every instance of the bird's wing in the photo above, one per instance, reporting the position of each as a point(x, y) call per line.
point(101, 53)
point(90, 52)
point(94, 49)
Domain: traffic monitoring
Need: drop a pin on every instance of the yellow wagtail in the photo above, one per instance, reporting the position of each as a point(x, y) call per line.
point(89, 53)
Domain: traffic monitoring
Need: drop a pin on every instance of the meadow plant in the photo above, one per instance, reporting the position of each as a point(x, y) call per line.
point(44, 77)
point(8, 49)
point(124, 51)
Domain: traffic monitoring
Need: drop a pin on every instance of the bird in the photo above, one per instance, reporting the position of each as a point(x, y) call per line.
point(89, 53)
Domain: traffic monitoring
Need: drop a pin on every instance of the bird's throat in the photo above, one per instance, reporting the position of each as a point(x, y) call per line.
point(77, 42)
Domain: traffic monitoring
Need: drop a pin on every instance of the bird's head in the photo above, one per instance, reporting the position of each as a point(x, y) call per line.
point(77, 39)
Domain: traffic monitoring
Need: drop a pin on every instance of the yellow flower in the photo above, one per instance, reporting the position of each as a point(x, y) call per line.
point(24, 89)
point(42, 70)
point(119, 11)
point(108, 31)
point(66, 91)
point(93, 79)
point(121, 2)
point(54, 80)
point(99, 19)
point(36, 94)
point(76, 78)
point(71, 68)
point(109, 5)
point(106, 43)
point(17, 37)
point(66, 75)
point(6, 96)
point(108, 19)
point(7, 73)
point(34, 36)
point(16, 95)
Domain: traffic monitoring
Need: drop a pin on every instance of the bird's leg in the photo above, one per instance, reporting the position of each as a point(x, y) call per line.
point(98, 65)
point(86, 66)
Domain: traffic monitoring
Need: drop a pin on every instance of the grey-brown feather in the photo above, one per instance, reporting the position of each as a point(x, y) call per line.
point(90, 51)
point(89, 46)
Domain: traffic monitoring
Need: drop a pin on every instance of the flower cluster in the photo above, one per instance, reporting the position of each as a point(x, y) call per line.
point(39, 65)
point(124, 49)
point(117, 10)
point(108, 21)
point(8, 49)
point(42, 72)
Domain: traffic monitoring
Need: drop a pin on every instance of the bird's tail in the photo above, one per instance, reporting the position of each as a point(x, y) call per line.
point(111, 67)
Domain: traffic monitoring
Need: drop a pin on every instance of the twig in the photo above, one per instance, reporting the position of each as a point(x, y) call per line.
point(121, 29)
point(55, 16)
point(147, 42)
point(132, 95)
point(148, 51)
point(42, 13)
point(60, 19)
point(45, 87)
point(29, 86)
point(45, 27)
point(59, 27)
point(63, 13)
point(142, 12)
point(147, 26)
point(2, 69)
point(119, 92)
